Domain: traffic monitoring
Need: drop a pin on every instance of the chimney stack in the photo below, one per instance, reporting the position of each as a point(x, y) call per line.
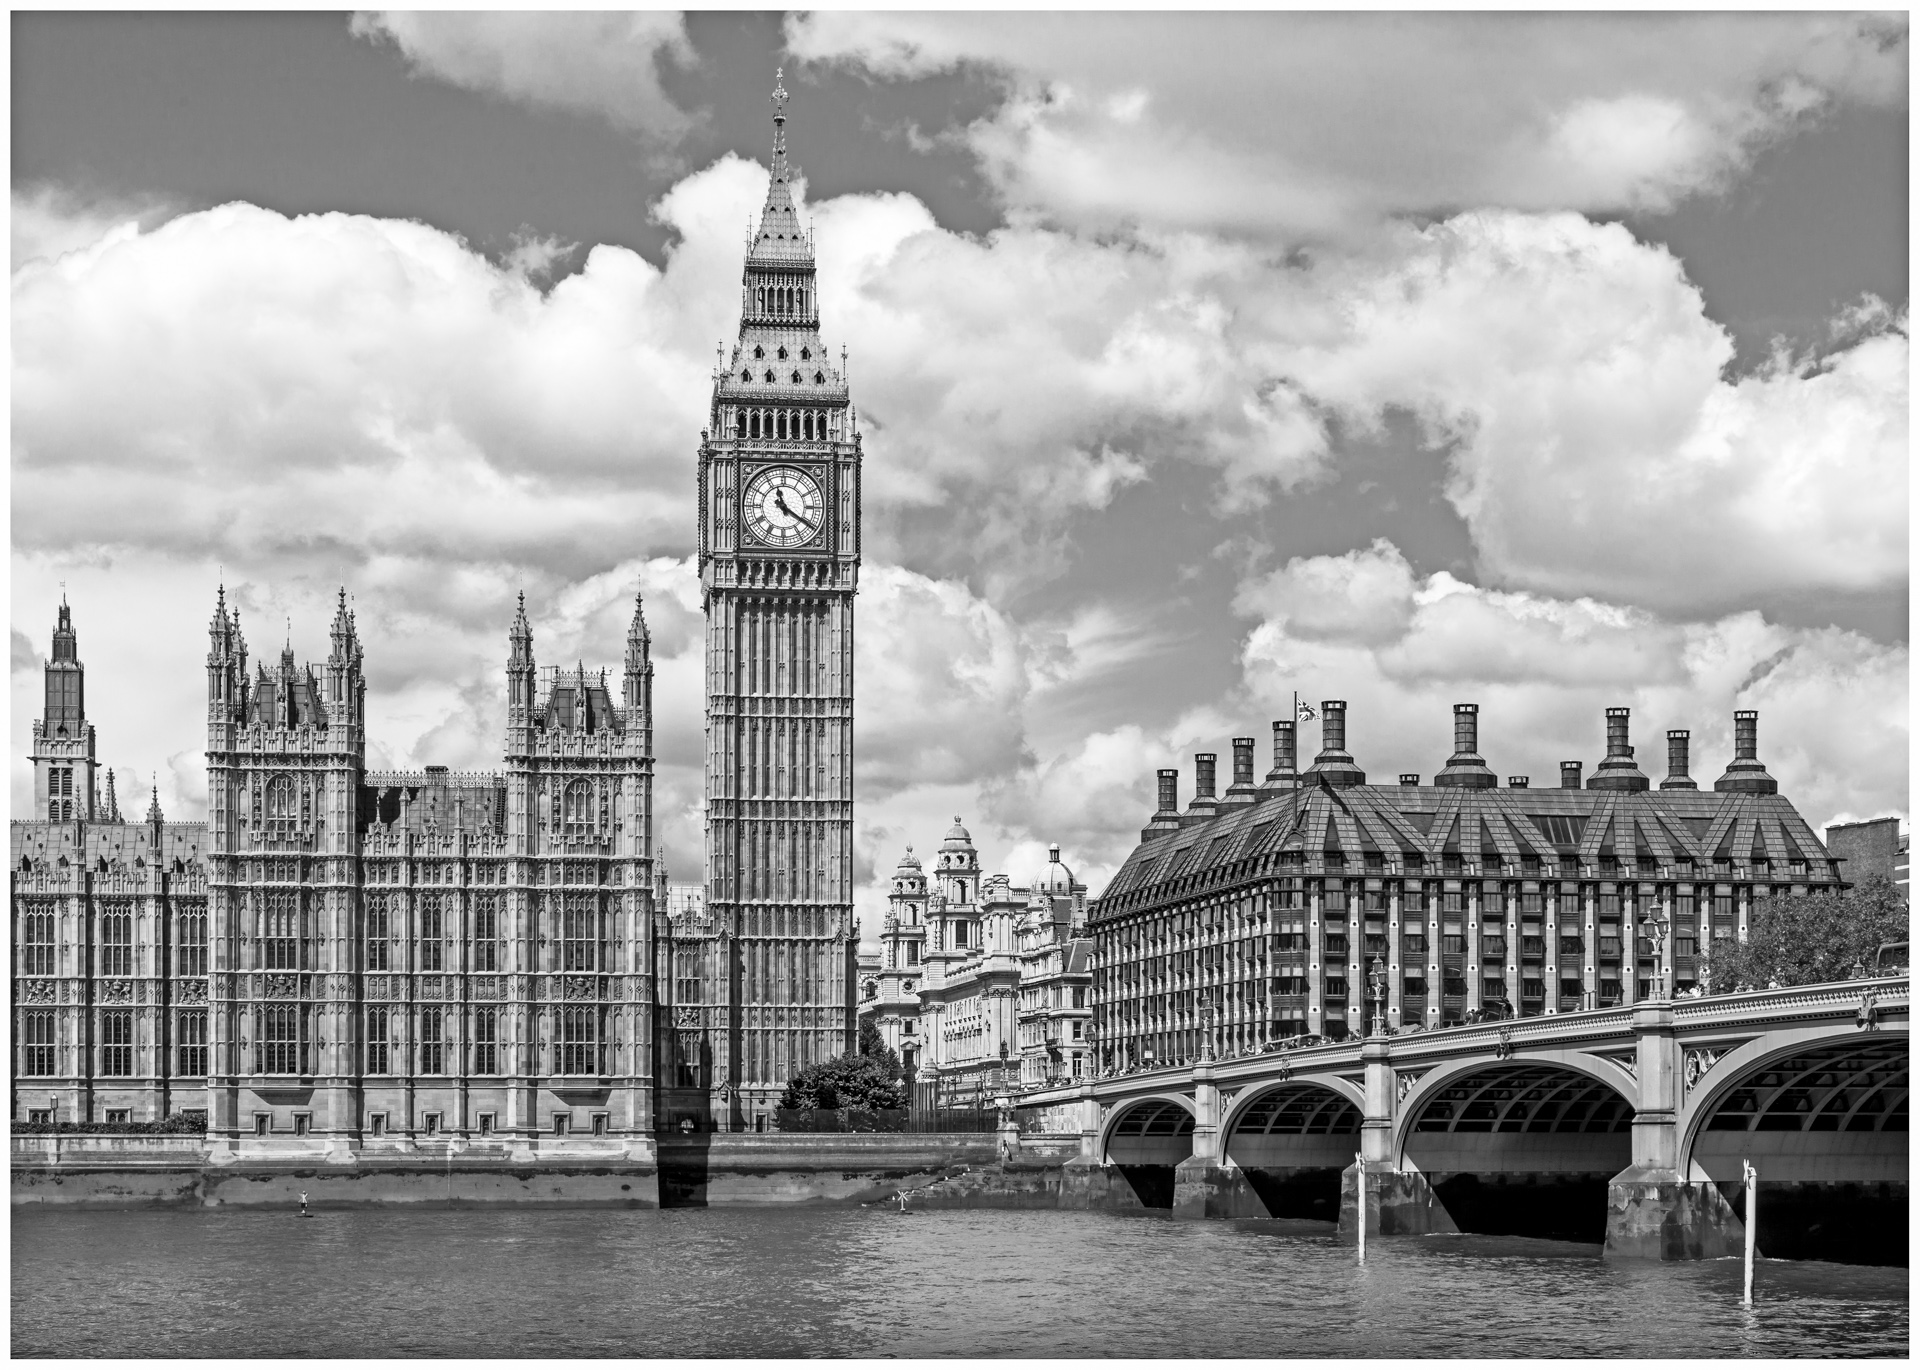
point(1519, 782)
point(1409, 777)
point(1618, 772)
point(1677, 777)
point(1204, 805)
point(1241, 791)
point(1285, 772)
point(1745, 774)
point(1465, 770)
point(1570, 775)
point(1334, 767)
point(1167, 817)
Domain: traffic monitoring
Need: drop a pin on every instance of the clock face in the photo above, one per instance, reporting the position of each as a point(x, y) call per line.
point(782, 507)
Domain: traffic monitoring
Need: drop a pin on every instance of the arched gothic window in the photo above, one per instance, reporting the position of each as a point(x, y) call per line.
point(53, 811)
point(280, 801)
point(577, 805)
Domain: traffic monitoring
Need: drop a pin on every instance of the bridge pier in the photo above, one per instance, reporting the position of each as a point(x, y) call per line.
point(1205, 1185)
point(1392, 1203)
point(1654, 1212)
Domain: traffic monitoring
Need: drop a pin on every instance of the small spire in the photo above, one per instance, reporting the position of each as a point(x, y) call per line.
point(153, 805)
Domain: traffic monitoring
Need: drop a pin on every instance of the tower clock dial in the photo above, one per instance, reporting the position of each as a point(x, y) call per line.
point(782, 507)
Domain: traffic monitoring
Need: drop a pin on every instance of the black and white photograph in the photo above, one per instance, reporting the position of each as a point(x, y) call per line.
point(959, 684)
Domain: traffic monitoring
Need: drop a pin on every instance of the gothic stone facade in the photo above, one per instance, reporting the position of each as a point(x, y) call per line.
point(339, 955)
point(1300, 904)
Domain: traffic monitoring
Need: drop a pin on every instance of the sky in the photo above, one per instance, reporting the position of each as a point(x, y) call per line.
point(1549, 363)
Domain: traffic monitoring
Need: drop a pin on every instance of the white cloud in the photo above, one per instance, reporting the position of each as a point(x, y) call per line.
point(49, 221)
point(1308, 124)
point(600, 63)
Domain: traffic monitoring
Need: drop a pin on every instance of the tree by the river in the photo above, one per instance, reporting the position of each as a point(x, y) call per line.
point(867, 1078)
point(1809, 939)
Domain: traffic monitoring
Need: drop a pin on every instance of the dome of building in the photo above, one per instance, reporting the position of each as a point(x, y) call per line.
point(909, 864)
point(958, 837)
point(1057, 878)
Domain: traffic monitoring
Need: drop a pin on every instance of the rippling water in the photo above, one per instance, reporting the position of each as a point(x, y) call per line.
point(865, 1282)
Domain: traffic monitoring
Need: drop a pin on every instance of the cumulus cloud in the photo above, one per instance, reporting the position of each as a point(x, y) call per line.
point(1308, 124)
point(1543, 670)
point(49, 220)
point(601, 63)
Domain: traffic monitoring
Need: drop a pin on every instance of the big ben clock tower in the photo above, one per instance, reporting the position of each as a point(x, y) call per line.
point(779, 561)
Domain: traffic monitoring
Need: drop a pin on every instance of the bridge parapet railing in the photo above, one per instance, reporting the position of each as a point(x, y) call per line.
point(1887, 992)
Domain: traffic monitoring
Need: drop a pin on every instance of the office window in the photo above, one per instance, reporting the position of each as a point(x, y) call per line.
point(116, 1042)
point(37, 944)
point(486, 1042)
point(116, 942)
point(276, 1049)
point(190, 1043)
point(433, 1048)
point(280, 930)
point(190, 940)
point(377, 1049)
point(37, 1044)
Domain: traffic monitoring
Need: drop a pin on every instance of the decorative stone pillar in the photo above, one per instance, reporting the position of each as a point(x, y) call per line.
point(1391, 1203)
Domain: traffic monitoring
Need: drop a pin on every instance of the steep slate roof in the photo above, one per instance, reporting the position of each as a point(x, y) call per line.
point(1430, 821)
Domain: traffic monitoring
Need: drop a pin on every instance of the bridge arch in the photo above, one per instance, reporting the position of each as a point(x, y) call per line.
point(1291, 1140)
point(1151, 1129)
point(1522, 1146)
point(1823, 1117)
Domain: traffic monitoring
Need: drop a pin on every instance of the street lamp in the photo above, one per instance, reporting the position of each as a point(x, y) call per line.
point(1377, 985)
point(1655, 931)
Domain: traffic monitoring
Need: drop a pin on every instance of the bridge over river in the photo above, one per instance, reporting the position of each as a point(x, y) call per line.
point(1623, 1125)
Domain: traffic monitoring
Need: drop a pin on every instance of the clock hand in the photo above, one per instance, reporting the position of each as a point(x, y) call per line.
point(780, 498)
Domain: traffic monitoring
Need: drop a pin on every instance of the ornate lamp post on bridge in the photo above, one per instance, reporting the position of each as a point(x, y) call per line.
point(1376, 988)
point(1655, 929)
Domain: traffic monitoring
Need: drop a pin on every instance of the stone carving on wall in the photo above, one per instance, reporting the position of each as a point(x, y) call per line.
point(193, 991)
point(686, 1016)
point(581, 987)
point(430, 987)
point(38, 991)
point(116, 991)
point(1403, 1084)
point(282, 987)
point(486, 987)
point(376, 987)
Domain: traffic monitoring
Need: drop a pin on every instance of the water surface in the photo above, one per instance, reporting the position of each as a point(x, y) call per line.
point(871, 1282)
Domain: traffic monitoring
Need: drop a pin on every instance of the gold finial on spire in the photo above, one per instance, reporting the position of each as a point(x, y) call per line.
point(779, 96)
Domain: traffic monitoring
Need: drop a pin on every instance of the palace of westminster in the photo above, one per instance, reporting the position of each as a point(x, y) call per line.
point(338, 956)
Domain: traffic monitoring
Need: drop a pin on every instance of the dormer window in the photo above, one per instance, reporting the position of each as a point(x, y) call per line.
point(819, 379)
point(781, 354)
point(805, 354)
point(769, 373)
point(759, 352)
point(796, 378)
point(746, 375)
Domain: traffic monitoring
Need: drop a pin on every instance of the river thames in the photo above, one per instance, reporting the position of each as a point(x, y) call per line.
point(872, 1282)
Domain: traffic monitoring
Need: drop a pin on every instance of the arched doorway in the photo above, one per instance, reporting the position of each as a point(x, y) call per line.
point(1291, 1142)
point(1147, 1140)
point(1523, 1149)
point(1825, 1126)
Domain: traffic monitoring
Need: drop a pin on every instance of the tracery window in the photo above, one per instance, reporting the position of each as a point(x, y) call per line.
point(577, 807)
point(580, 932)
point(486, 1041)
point(37, 1043)
point(280, 801)
point(377, 1055)
point(579, 1042)
point(280, 930)
point(276, 1043)
point(37, 944)
point(377, 933)
point(190, 1043)
point(116, 1042)
point(486, 932)
point(116, 942)
point(432, 947)
point(433, 1047)
point(190, 940)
